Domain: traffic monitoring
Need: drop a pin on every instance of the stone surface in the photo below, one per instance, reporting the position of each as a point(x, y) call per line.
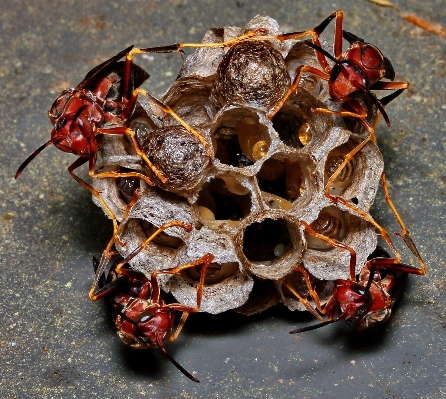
point(55, 343)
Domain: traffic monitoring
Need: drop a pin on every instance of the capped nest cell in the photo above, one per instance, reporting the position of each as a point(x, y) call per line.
point(247, 199)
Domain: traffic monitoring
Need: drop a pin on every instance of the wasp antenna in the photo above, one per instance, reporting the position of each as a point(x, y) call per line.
point(175, 363)
point(34, 154)
point(351, 38)
point(381, 109)
point(309, 43)
point(313, 327)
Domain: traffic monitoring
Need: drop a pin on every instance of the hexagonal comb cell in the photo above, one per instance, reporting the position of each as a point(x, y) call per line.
point(189, 99)
point(227, 284)
point(269, 243)
point(161, 253)
point(297, 126)
point(327, 262)
point(239, 137)
point(282, 180)
point(248, 199)
point(331, 223)
point(218, 205)
point(323, 288)
point(266, 241)
point(225, 287)
point(359, 179)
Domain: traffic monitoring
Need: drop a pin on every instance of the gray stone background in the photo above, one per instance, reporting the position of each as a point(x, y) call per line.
point(55, 343)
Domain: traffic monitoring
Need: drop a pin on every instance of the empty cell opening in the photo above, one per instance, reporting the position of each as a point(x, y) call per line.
point(216, 202)
point(215, 273)
point(228, 149)
point(283, 179)
point(162, 239)
point(331, 223)
point(266, 241)
point(240, 139)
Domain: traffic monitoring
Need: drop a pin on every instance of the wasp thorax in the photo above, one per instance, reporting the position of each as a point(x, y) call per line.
point(178, 155)
point(252, 73)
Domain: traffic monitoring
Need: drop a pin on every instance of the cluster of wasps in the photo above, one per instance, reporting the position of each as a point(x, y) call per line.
point(104, 101)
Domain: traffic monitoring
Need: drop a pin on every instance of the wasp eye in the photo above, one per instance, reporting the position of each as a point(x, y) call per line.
point(59, 104)
point(61, 123)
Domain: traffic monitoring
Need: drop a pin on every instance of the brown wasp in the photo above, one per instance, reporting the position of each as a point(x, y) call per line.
point(367, 299)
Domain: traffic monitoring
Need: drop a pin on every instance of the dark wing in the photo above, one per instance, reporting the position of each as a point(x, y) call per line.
point(137, 77)
point(98, 72)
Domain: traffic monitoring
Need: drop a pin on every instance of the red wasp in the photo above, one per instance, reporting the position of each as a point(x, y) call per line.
point(365, 300)
point(78, 114)
point(355, 73)
point(141, 316)
point(100, 104)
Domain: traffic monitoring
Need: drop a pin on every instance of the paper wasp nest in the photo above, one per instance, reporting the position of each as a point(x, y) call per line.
point(266, 176)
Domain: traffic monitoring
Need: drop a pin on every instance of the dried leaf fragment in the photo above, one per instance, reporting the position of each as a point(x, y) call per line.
point(384, 3)
point(438, 29)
